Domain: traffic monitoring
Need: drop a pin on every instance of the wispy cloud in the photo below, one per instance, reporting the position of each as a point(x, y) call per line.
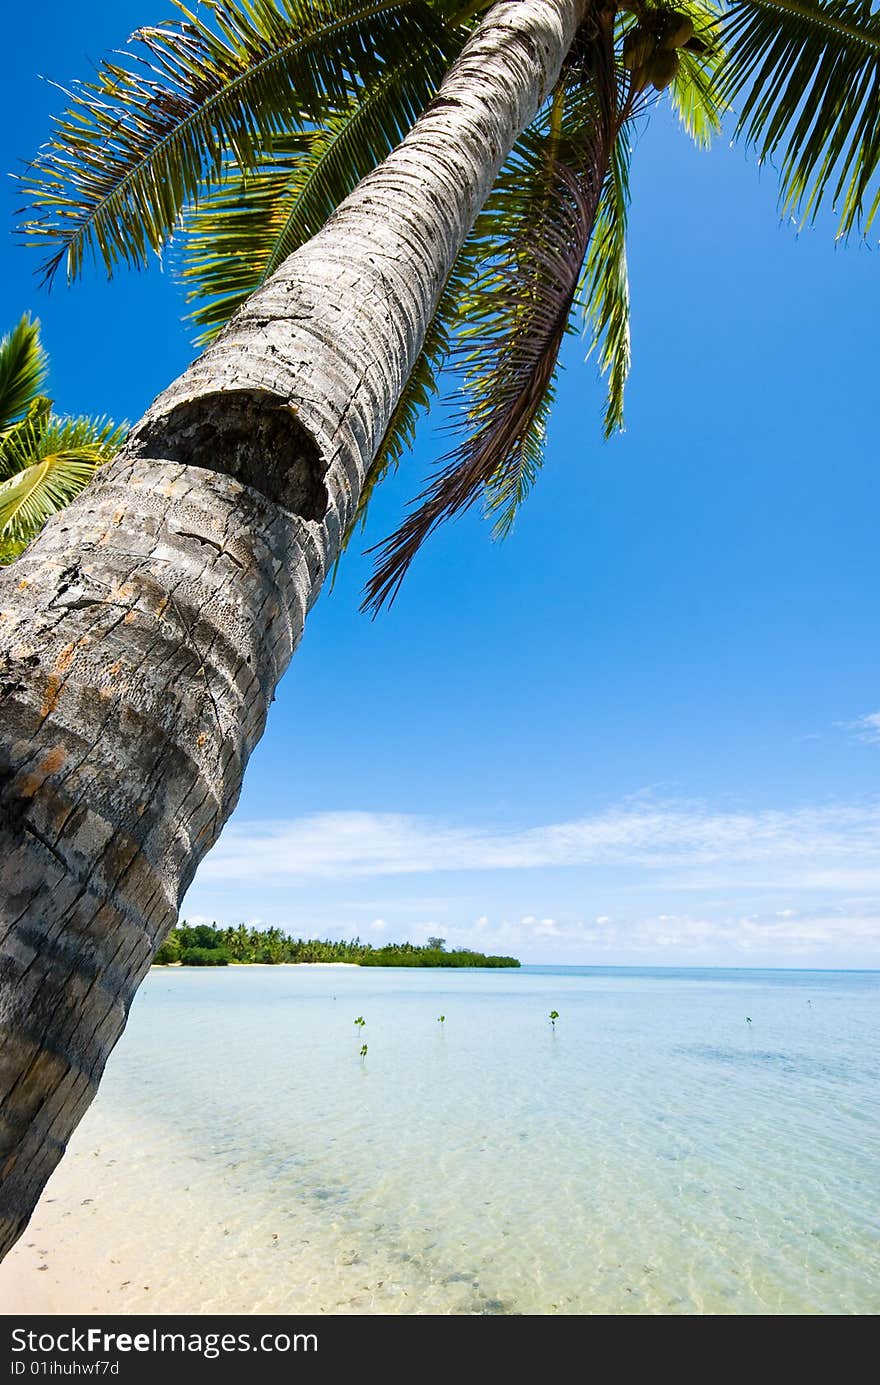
point(867, 728)
point(835, 846)
point(700, 936)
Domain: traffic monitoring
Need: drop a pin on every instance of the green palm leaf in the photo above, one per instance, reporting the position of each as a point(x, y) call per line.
point(29, 498)
point(604, 290)
point(228, 236)
point(47, 464)
point(24, 369)
point(694, 93)
point(807, 74)
point(148, 133)
point(534, 253)
point(21, 443)
point(242, 230)
point(10, 550)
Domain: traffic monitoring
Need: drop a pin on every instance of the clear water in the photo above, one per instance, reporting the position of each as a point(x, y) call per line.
point(656, 1153)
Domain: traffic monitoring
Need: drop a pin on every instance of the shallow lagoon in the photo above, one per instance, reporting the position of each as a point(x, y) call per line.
point(656, 1153)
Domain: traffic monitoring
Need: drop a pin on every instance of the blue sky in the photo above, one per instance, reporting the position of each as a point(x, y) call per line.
point(641, 730)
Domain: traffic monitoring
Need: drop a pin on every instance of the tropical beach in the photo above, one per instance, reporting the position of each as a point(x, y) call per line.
point(649, 1152)
point(507, 373)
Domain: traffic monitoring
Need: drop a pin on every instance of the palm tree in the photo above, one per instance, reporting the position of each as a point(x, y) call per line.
point(237, 941)
point(44, 460)
point(272, 946)
point(143, 635)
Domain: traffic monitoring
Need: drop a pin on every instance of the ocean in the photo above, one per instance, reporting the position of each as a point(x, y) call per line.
point(682, 1142)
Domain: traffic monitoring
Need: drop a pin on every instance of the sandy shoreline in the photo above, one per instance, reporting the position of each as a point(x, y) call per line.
point(98, 1242)
point(61, 1263)
point(101, 1241)
point(262, 966)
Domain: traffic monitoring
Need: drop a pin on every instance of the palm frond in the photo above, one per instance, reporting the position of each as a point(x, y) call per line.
point(241, 231)
point(143, 137)
point(228, 235)
point(515, 315)
point(10, 549)
point(604, 290)
point(21, 442)
point(55, 460)
point(695, 94)
point(29, 498)
point(807, 75)
point(24, 369)
point(423, 384)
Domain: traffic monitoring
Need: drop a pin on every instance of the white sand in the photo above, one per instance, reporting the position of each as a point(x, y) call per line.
point(134, 1222)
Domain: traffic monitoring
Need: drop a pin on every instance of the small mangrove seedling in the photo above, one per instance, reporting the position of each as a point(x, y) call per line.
point(748, 1019)
point(360, 1022)
point(363, 1052)
point(554, 1016)
point(441, 1019)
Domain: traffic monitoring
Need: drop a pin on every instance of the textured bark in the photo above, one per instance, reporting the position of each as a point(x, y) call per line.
point(143, 634)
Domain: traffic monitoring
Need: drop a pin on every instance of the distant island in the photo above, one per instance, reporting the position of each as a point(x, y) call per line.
point(207, 945)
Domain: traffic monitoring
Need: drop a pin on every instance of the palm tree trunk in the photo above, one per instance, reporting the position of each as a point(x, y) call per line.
point(142, 635)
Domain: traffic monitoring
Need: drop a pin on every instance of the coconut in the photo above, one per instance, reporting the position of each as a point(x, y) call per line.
point(663, 68)
point(677, 29)
point(637, 48)
point(640, 79)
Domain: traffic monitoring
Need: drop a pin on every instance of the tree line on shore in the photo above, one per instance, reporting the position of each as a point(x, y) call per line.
point(209, 945)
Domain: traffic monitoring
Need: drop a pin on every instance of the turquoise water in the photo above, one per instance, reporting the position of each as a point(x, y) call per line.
point(656, 1153)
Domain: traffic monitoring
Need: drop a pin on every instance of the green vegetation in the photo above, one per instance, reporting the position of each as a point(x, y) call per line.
point(407, 955)
point(170, 951)
point(45, 460)
point(206, 944)
point(554, 1016)
point(205, 957)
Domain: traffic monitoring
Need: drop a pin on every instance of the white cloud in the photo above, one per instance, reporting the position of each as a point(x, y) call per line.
point(867, 728)
point(836, 847)
point(647, 882)
point(694, 938)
